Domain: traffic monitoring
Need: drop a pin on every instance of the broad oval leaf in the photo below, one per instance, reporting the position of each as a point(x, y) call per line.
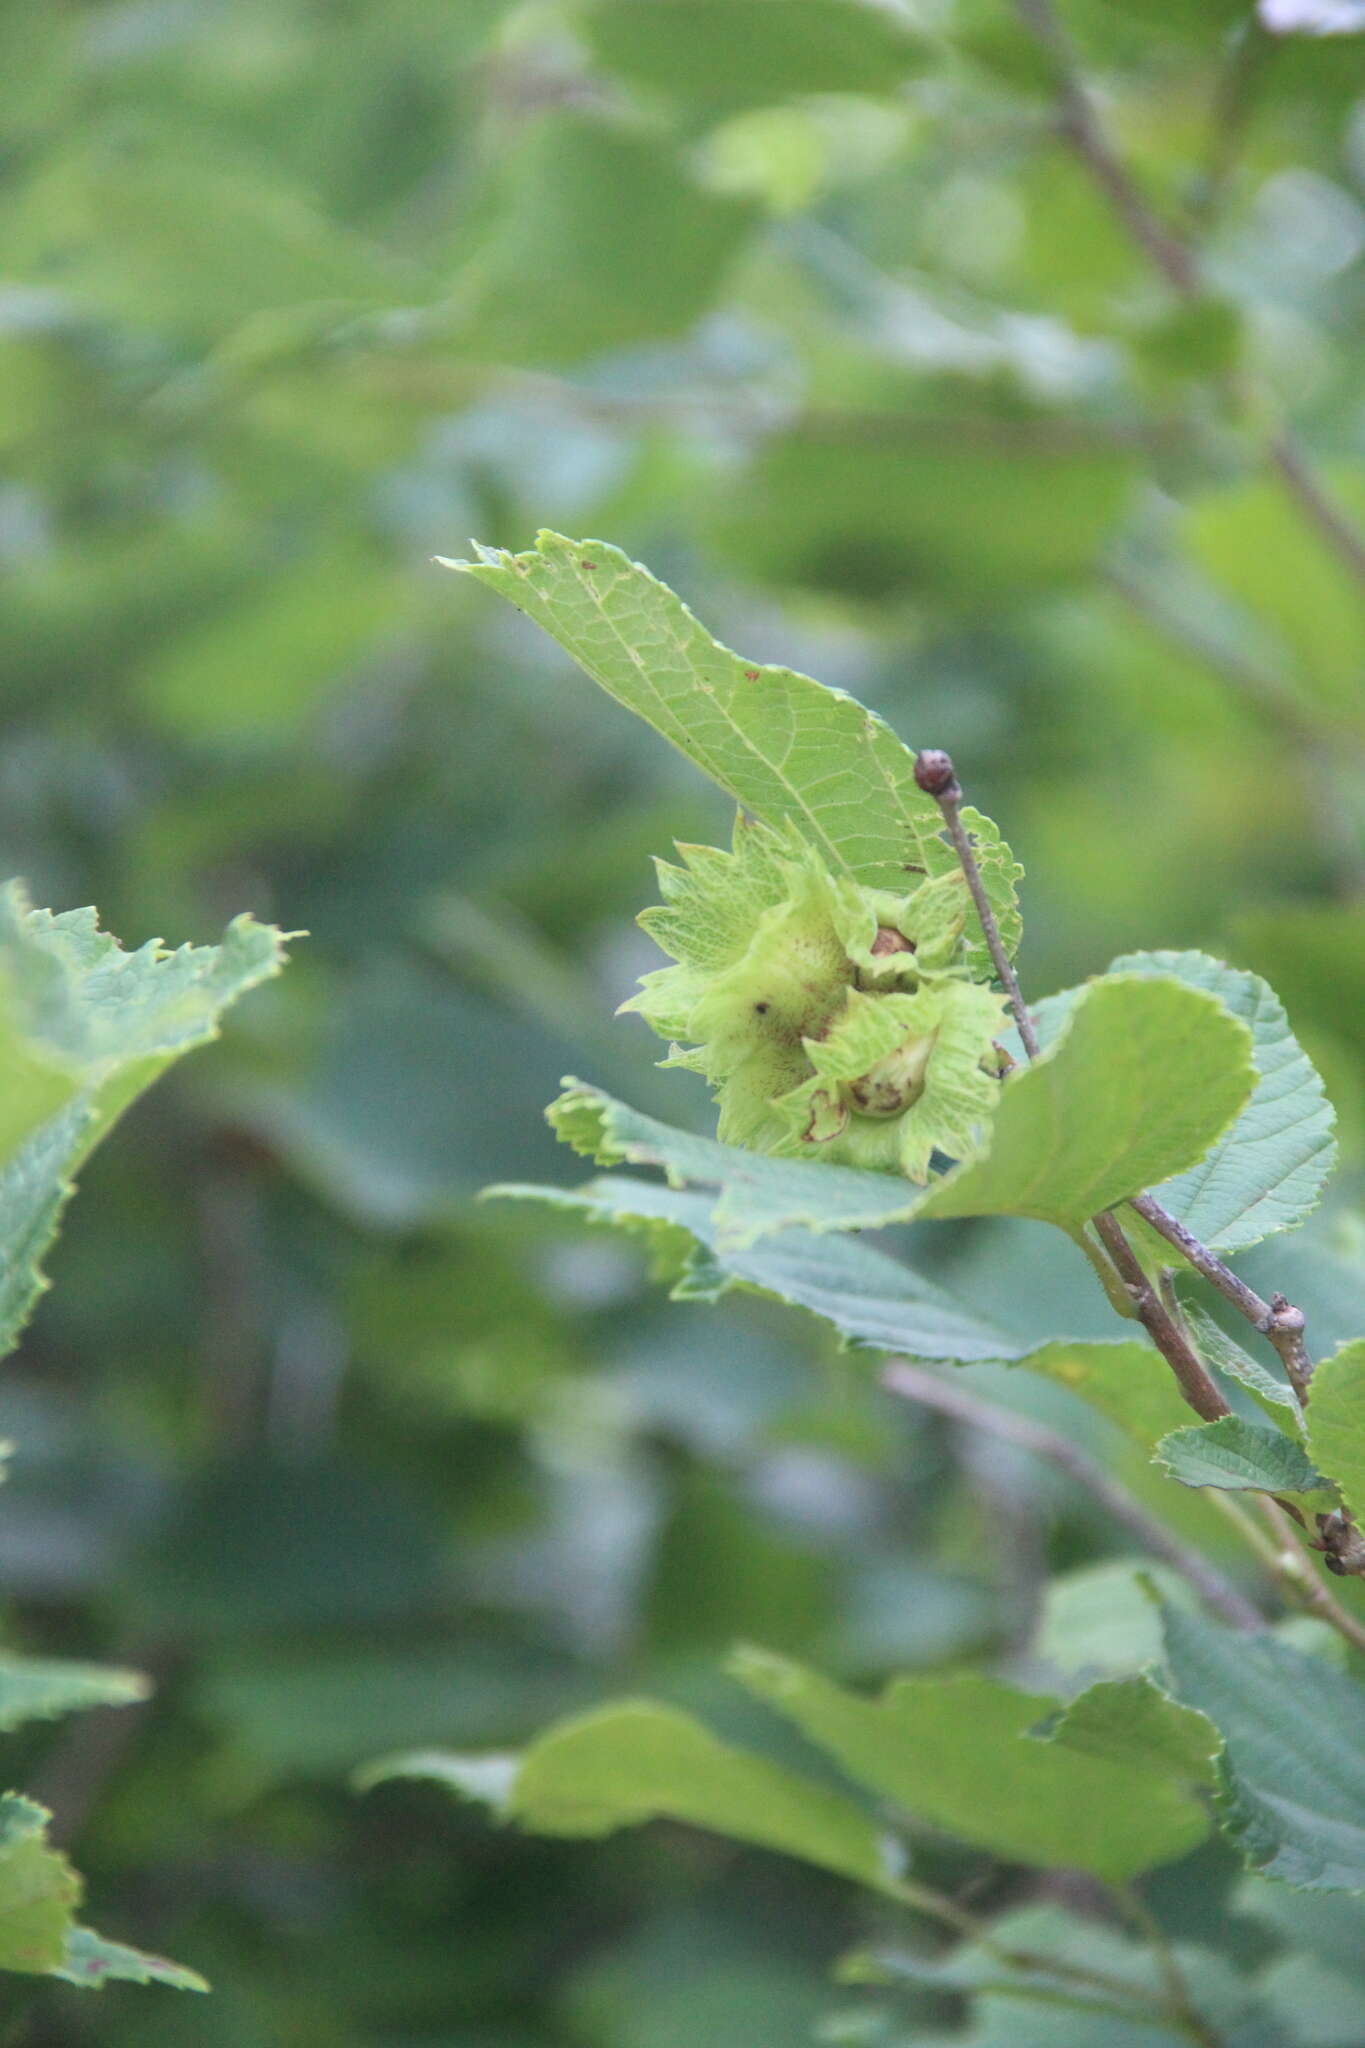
point(785, 747)
point(1141, 1080)
point(1240, 1456)
point(1336, 1422)
point(637, 1760)
point(963, 1754)
point(1267, 1172)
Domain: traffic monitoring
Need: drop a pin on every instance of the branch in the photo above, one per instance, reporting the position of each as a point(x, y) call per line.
point(1276, 1319)
point(936, 776)
point(912, 1383)
point(1192, 1375)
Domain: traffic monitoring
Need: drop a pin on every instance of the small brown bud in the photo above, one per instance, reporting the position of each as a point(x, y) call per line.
point(934, 772)
point(889, 940)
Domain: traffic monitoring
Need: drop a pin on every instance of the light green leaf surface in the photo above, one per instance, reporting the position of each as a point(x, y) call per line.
point(785, 747)
point(1275, 1397)
point(32, 1087)
point(91, 1962)
point(757, 1194)
point(1266, 1172)
point(110, 1022)
point(39, 1891)
point(1336, 1422)
point(40, 1688)
point(1131, 1722)
point(1143, 1079)
point(1239, 1456)
point(960, 1753)
point(636, 1760)
point(1124, 1378)
point(1293, 1769)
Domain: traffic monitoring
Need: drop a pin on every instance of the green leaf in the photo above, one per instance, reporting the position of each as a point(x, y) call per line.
point(758, 1195)
point(40, 1688)
point(1237, 1456)
point(731, 54)
point(111, 1022)
point(1142, 1079)
point(593, 236)
point(1254, 542)
point(961, 1754)
point(871, 1298)
point(636, 1760)
point(1132, 1722)
point(1336, 1422)
point(32, 1087)
point(784, 747)
point(92, 1962)
point(1124, 1378)
point(1275, 1397)
point(1293, 1771)
point(1267, 1172)
point(39, 1891)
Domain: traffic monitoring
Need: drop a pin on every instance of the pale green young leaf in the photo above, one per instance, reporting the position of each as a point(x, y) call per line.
point(32, 1086)
point(1336, 1422)
point(1275, 1397)
point(962, 1753)
point(1292, 1771)
point(637, 1760)
point(40, 1688)
point(90, 1962)
point(785, 747)
point(39, 1891)
point(1267, 1171)
point(1238, 1456)
point(757, 1194)
point(111, 1022)
point(1143, 1078)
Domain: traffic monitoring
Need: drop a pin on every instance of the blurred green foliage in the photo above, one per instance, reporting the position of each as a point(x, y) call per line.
point(812, 305)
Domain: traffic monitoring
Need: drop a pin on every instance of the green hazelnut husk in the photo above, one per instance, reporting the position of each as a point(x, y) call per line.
point(831, 1020)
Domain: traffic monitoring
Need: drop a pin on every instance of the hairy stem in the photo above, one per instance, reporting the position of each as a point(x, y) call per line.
point(913, 1383)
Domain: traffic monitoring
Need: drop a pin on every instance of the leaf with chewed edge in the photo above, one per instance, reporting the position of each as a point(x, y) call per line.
point(784, 746)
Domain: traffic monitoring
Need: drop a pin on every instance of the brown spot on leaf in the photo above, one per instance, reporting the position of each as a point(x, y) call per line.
point(751, 674)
